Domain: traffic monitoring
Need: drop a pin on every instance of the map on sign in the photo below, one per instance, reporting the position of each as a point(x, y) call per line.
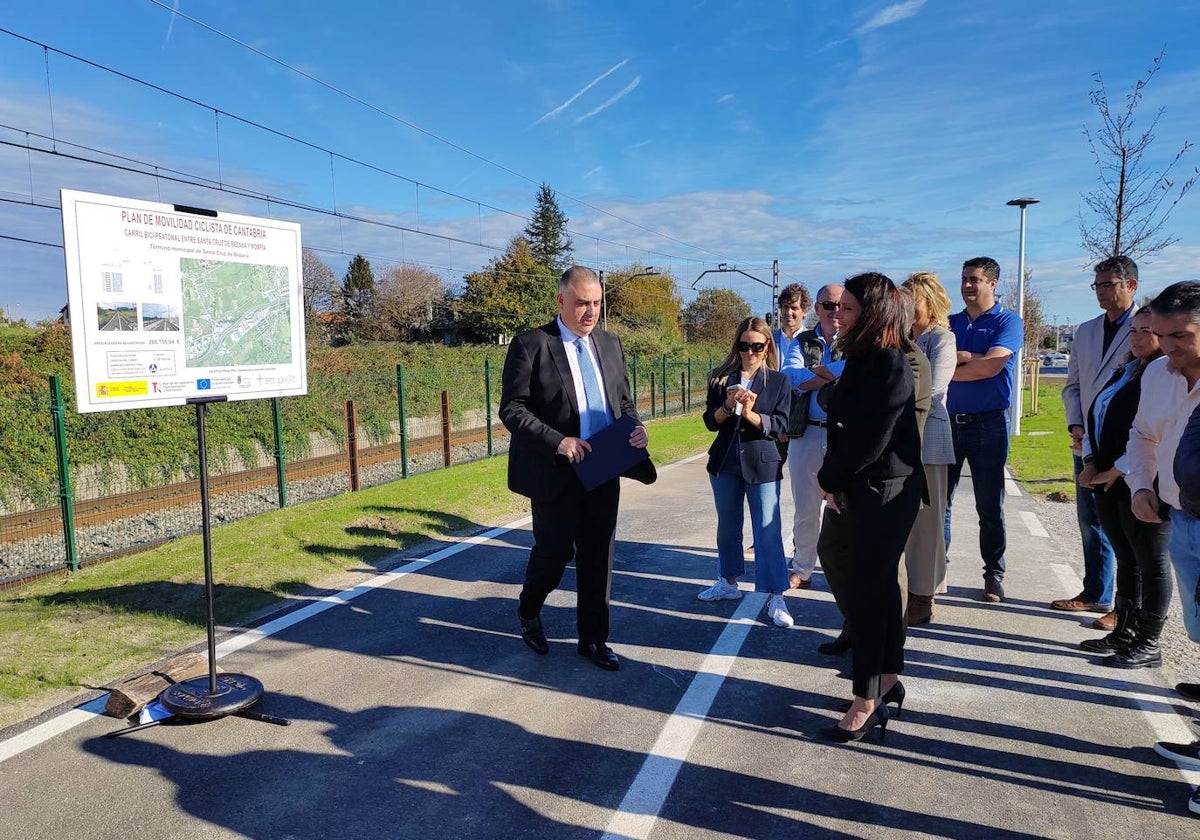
point(236, 314)
point(169, 304)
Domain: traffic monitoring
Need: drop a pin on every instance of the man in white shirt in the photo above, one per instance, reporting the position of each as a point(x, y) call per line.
point(1170, 394)
point(814, 362)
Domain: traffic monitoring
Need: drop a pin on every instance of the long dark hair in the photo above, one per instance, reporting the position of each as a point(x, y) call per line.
point(881, 322)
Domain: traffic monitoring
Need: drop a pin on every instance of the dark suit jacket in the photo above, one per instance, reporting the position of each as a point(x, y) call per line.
point(539, 408)
point(872, 422)
point(760, 459)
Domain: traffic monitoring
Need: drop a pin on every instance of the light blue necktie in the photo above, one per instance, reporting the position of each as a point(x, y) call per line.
point(595, 415)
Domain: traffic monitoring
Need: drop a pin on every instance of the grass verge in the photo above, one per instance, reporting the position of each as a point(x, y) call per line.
point(1041, 457)
point(76, 631)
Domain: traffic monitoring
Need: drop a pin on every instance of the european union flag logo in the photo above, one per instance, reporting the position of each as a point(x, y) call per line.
point(203, 384)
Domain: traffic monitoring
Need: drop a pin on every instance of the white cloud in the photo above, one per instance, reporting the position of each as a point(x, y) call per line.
point(725, 99)
point(556, 111)
point(892, 14)
point(612, 100)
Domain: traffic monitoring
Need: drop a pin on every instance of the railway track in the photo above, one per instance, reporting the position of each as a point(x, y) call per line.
point(48, 521)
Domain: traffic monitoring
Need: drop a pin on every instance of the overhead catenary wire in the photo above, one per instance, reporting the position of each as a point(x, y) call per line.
point(420, 129)
point(47, 49)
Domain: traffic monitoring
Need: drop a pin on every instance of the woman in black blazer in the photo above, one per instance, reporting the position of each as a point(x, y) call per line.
point(1143, 563)
point(872, 473)
point(748, 404)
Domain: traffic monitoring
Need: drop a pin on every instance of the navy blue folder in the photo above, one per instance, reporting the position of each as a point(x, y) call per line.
point(611, 454)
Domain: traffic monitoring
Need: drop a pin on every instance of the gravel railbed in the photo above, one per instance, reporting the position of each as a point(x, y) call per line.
point(23, 557)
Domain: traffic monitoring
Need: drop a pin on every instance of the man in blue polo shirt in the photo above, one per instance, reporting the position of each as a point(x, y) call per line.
point(989, 337)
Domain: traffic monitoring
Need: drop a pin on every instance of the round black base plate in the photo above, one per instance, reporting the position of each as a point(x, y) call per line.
point(192, 699)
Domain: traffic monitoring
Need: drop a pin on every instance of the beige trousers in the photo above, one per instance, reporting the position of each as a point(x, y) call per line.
point(925, 552)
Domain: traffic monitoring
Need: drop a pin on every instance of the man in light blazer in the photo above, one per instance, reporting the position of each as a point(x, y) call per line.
point(562, 383)
point(1100, 347)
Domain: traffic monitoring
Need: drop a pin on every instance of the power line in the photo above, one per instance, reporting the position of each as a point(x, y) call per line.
point(389, 115)
point(316, 147)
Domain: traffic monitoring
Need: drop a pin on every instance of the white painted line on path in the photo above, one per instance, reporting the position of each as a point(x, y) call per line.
point(1068, 581)
point(1011, 488)
point(643, 802)
point(81, 714)
point(69, 720)
point(1033, 524)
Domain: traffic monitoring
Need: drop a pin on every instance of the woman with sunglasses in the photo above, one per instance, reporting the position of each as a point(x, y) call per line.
point(873, 475)
point(748, 402)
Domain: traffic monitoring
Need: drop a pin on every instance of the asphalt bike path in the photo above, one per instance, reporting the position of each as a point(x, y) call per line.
point(417, 712)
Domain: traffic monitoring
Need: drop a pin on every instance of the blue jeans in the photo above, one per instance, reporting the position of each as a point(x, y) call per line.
point(1099, 562)
point(982, 442)
point(1184, 546)
point(731, 492)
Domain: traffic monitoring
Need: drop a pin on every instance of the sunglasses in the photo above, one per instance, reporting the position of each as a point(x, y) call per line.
point(751, 346)
point(829, 305)
point(1105, 286)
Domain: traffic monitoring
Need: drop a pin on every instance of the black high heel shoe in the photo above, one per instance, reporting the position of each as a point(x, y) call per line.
point(895, 694)
point(879, 718)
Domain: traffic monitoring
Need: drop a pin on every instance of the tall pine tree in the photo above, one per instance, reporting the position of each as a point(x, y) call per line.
point(547, 233)
point(358, 295)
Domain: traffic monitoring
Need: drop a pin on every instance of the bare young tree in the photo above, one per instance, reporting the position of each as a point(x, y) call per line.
point(1129, 209)
point(404, 296)
point(1033, 313)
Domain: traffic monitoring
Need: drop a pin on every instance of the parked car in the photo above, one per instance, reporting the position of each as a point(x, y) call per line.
point(1055, 360)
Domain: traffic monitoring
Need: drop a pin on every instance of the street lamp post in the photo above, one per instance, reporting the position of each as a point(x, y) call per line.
point(1019, 372)
point(649, 272)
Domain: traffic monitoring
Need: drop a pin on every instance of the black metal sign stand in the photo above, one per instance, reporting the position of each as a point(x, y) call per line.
point(217, 695)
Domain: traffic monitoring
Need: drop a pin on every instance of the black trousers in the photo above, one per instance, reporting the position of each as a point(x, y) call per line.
point(834, 550)
point(881, 514)
point(1143, 564)
point(578, 525)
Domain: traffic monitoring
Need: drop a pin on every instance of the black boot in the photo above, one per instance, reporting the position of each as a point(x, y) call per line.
point(1123, 635)
point(1145, 651)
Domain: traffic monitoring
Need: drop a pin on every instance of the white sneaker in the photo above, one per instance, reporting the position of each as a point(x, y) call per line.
point(778, 611)
point(722, 590)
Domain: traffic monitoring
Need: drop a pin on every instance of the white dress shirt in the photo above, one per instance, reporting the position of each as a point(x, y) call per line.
point(569, 338)
point(1163, 411)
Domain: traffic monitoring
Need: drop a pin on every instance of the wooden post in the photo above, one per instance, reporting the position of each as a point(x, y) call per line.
point(446, 458)
point(352, 443)
point(131, 696)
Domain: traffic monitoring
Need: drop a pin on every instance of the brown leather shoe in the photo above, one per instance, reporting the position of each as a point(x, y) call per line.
point(920, 609)
point(797, 582)
point(1106, 622)
point(1077, 604)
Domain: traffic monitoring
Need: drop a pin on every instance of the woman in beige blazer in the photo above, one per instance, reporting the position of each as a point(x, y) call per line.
point(925, 552)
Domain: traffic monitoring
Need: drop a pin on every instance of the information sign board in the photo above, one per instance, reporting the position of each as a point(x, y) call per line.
point(169, 303)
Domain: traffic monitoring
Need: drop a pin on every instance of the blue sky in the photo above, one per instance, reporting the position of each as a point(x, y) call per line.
point(835, 137)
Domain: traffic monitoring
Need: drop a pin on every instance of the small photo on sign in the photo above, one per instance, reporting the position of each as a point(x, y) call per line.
point(113, 316)
point(160, 317)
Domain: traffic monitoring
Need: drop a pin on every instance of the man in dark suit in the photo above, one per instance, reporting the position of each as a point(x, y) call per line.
point(563, 383)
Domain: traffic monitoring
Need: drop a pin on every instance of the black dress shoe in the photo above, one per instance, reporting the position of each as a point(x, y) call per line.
point(533, 635)
point(1189, 690)
point(837, 647)
point(601, 655)
point(879, 718)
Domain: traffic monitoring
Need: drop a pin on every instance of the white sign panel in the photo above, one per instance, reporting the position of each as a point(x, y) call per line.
point(172, 303)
